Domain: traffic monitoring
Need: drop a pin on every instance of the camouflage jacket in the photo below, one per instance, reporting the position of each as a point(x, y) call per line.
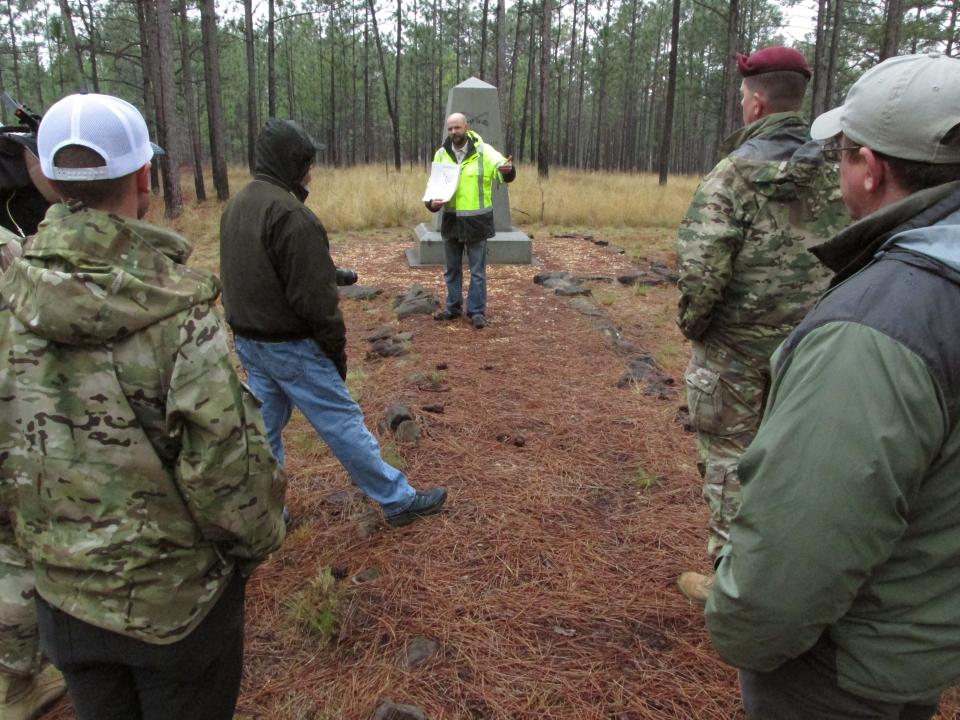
point(9, 248)
point(746, 277)
point(135, 462)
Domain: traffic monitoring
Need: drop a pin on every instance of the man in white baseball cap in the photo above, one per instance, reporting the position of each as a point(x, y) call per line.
point(837, 596)
point(135, 464)
point(84, 140)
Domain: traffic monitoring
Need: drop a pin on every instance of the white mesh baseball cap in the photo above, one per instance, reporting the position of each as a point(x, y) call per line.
point(907, 107)
point(111, 127)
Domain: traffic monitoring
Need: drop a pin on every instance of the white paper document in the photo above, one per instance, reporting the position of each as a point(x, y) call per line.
point(442, 183)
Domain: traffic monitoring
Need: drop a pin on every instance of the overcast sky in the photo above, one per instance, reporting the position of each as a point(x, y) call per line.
point(800, 19)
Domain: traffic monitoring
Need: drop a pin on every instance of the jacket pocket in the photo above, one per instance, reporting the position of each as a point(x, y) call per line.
point(724, 403)
point(704, 398)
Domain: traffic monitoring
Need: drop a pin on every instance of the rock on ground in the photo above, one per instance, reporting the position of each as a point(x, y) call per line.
point(416, 301)
point(394, 711)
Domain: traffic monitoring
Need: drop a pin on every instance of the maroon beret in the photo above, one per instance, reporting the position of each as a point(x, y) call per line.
point(773, 59)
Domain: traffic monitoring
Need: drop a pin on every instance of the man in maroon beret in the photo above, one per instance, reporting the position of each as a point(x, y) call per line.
point(746, 278)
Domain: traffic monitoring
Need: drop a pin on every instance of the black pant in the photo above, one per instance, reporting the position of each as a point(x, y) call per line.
point(114, 677)
point(806, 689)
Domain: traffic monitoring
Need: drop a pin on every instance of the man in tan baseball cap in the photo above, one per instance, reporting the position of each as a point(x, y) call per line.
point(836, 596)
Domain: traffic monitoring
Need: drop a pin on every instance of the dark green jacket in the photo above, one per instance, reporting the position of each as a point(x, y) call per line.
point(279, 281)
point(847, 544)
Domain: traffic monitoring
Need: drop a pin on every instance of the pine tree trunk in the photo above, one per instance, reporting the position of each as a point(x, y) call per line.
point(38, 67)
point(730, 92)
point(14, 53)
point(580, 156)
point(391, 106)
point(834, 52)
point(501, 48)
point(367, 132)
point(671, 95)
point(91, 34)
point(291, 88)
point(567, 157)
point(396, 85)
point(167, 112)
point(193, 119)
point(515, 57)
point(459, 35)
point(333, 153)
point(271, 59)
point(143, 13)
point(891, 29)
point(543, 151)
point(78, 80)
point(952, 29)
point(483, 39)
point(529, 84)
point(599, 108)
point(557, 90)
point(818, 90)
point(253, 125)
point(211, 72)
point(627, 117)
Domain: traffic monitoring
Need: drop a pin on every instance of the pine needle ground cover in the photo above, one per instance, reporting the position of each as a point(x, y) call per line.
point(545, 590)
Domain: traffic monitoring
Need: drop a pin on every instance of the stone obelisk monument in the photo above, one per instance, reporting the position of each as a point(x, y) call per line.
point(479, 102)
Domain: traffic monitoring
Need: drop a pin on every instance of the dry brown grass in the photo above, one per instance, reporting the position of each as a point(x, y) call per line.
point(599, 199)
point(372, 197)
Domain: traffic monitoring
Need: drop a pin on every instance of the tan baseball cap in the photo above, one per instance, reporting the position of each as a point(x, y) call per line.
point(906, 107)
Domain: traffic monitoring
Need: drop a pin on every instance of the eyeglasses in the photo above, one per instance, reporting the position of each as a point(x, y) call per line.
point(833, 150)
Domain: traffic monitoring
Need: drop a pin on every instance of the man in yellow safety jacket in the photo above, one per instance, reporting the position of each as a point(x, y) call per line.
point(467, 221)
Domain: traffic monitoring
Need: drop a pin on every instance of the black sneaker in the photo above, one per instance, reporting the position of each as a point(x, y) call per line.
point(424, 503)
point(445, 315)
point(479, 321)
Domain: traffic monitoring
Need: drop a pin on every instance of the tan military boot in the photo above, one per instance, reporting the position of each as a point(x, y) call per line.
point(695, 586)
point(27, 698)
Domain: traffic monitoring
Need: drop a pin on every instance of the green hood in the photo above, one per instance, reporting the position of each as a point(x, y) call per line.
point(90, 277)
point(784, 125)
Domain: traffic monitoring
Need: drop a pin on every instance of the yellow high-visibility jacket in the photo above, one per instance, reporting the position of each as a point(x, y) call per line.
point(468, 215)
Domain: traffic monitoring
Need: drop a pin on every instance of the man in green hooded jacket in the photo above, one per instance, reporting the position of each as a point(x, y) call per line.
point(837, 595)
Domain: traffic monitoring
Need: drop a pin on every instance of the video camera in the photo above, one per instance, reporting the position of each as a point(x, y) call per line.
point(29, 120)
point(345, 276)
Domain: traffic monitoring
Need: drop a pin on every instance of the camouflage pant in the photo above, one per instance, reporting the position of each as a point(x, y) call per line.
point(725, 395)
point(19, 642)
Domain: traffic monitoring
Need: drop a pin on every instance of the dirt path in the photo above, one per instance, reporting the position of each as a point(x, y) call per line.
point(547, 585)
point(549, 581)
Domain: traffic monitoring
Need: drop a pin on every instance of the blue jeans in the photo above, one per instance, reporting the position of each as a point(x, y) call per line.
point(453, 276)
point(284, 374)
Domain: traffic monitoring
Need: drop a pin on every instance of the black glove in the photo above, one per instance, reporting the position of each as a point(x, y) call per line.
point(345, 276)
point(341, 363)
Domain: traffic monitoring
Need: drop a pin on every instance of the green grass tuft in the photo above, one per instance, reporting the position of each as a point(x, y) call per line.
point(316, 608)
point(643, 480)
point(355, 379)
point(391, 455)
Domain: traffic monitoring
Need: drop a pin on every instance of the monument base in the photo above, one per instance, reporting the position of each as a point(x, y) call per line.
point(504, 248)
